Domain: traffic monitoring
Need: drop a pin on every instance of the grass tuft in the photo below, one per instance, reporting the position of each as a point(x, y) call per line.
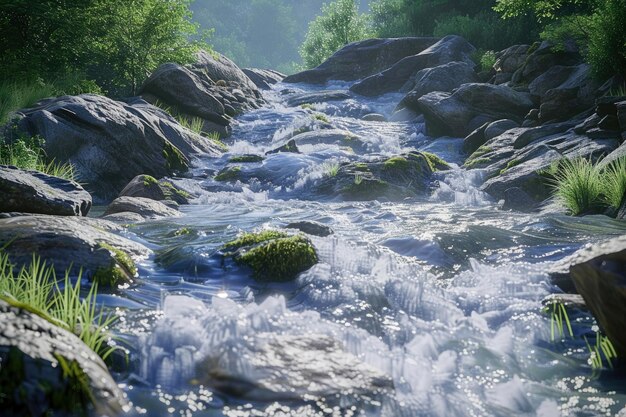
point(27, 153)
point(578, 186)
point(614, 180)
point(36, 289)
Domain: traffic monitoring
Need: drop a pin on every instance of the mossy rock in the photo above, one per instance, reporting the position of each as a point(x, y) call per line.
point(273, 256)
point(174, 159)
point(229, 174)
point(248, 158)
point(146, 186)
point(122, 269)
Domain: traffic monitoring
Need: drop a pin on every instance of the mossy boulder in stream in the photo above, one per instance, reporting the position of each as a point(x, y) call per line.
point(146, 186)
point(273, 256)
point(47, 371)
point(394, 178)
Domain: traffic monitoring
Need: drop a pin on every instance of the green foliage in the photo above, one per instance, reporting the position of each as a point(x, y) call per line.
point(614, 180)
point(602, 347)
point(434, 162)
point(607, 39)
point(578, 187)
point(117, 43)
point(488, 60)
point(321, 117)
point(339, 24)
point(27, 153)
point(35, 287)
point(396, 162)
point(542, 9)
point(119, 272)
point(559, 320)
point(331, 169)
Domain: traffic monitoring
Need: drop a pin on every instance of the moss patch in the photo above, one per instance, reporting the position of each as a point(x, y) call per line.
point(248, 239)
point(365, 187)
point(228, 174)
point(510, 165)
point(174, 159)
point(120, 272)
point(396, 162)
point(246, 159)
point(274, 256)
point(435, 162)
point(321, 117)
point(476, 162)
point(149, 180)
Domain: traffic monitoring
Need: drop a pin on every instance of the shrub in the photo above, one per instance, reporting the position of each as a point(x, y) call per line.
point(36, 289)
point(487, 60)
point(607, 39)
point(339, 24)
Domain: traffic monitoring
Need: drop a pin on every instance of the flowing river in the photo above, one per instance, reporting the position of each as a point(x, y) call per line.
point(424, 307)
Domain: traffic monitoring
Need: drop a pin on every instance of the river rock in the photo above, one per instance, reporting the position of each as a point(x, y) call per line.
point(599, 274)
point(499, 127)
point(542, 57)
point(149, 187)
point(511, 59)
point(395, 178)
point(311, 228)
point(476, 139)
point(574, 95)
point(317, 97)
point(263, 78)
point(468, 107)
point(362, 59)
point(374, 117)
point(337, 137)
point(145, 207)
point(295, 367)
point(290, 146)
point(72, 242)
point(33, 380)
point(111, 142)
point(449, 49)
point(444, 78)
point(35, 192)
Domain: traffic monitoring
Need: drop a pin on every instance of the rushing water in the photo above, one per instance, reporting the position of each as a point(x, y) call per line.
point(427, 307)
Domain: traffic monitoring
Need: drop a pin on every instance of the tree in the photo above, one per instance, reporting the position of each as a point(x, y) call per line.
point(339, 24)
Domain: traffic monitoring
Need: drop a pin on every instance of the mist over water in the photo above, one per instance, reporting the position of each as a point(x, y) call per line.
point(423, 307)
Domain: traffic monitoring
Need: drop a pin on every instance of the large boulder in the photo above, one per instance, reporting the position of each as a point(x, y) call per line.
point(74, 244)
point(395, 178)
point(149, 187)
point(471, 105)
point(111, 142)
point(542, 57)
point(444, 78)
point(213, 89)
point(599, 274)
point(35, 192)
point(362, 59)
point(46, 370)
point(263, 78)
point(449, 49)
point(508, 61)
point(145, 207)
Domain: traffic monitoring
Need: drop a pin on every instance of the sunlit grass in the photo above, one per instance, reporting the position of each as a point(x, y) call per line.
point(614, 181)
point(35, 288)
point(26, 153)
point(578, 186)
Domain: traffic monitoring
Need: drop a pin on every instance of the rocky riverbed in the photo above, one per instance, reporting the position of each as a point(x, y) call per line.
point(373, 237)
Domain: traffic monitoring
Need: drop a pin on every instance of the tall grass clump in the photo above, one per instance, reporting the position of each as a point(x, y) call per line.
point(27, 153)
point(35, 288)
point(578, 186)
point(16, 95)
point(615, 183)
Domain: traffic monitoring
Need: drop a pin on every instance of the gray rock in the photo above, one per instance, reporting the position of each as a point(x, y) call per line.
point(511, 59)
point(35, 192)
point(362, 59)
point(149, 187)
point(499, 127)
point(330, 137)
point(374, 117)
point(311, 228)
point(618, 153)
point(528, 135)
point(145, 207)
point(574, 95)
point(471, 105)
point(34, 382)
point(110, 142)
point(290, 146)
point(444, 78)
point(219, 68)
point(542, 59)
point(599, 274)
point(317, 97)
point(517, 199)
point(288, 367)
point(263, 78)
point(72, 242)
point(475, 140)
point(449, 49)
point(395, 178)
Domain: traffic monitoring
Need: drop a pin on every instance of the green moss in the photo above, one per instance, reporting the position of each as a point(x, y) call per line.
point(307, 106)
point(120, 272)
point(281, 259)
point(365, 187)
point(362, 167)
point(248, 239)
point(182, 232)
point(396, 162)
point(228, 174)
point(149, 180)
point(435, 162)
point(510, 165)
point(174, 159)
point(476, 162)
point(321, 117)
point(246, 159)
point(171, 189)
